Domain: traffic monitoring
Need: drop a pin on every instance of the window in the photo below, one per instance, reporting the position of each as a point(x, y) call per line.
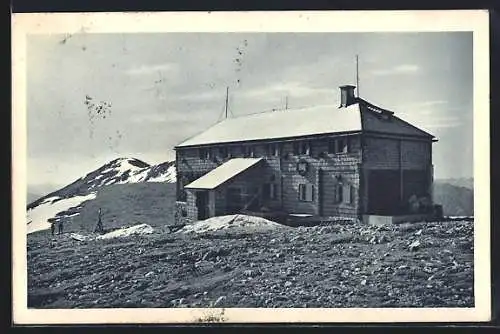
point(223, 152)
point(338, 145)
point(204, 153)
point(343, 145)
point(344, 194)
point(346, 189)
point(303, 148)
point(306, 192)
point(269, 191)
point(248, 151)
point(339, 193)
point(331, 146)
point(273, 149)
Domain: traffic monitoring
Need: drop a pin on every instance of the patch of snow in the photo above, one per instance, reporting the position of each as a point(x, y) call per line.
point(136, 176)
point(50, 199)
point(39, 215)
point(79, 237)
point(300, 215)
point(106, 171)
point(140, 229)
point(460, 217)
point(230, 221)
point(125, 165)
point(168, 176)
point(109, 182)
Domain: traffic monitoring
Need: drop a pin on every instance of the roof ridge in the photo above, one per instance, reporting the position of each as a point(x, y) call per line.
point(308, 120)
point(274, 111)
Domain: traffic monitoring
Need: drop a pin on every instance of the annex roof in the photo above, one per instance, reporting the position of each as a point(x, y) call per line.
point(223, 173)
point(360, 116)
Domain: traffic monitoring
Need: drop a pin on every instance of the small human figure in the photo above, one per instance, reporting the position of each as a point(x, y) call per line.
point(60, 225)
point(52, 228)
point(99, 228)
point(414, 204)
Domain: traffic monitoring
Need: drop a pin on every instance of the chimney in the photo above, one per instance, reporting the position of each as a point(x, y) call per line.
point(347, 96)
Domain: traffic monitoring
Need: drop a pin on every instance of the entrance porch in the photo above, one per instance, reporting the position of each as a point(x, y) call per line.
point(234, 187)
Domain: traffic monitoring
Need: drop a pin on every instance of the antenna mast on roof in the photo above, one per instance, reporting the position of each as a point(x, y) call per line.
point(357, 77)
point(227, 95)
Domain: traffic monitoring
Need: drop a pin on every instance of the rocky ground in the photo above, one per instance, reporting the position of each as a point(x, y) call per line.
point(340, 265)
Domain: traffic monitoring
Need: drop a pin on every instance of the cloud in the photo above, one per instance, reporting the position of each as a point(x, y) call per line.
point(432, 115)
point(148, 69)
point(428, 121)
point(424, 108)
point(400, 69)
point(145, 118)
point(443, 122)
point(207, 95)
point(295, 89)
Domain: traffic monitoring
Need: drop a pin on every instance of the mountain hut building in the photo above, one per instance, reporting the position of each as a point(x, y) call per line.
point(356, 161)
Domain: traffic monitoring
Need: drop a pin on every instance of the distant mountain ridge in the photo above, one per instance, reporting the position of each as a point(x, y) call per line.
point(66, 202)
point(456, 195)
point(465, 182)
point(118, 171)
point(128, 189)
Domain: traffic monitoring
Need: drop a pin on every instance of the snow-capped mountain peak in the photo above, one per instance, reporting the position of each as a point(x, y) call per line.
point(67, 200)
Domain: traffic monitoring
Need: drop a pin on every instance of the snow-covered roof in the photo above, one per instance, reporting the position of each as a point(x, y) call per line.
point(223, 173)
point(281, 124)
point(329, 119)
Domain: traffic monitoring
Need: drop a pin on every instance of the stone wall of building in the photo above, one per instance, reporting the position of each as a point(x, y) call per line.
point(324, 170)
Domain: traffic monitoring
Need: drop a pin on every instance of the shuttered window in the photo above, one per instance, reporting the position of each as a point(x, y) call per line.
point(346, 189)
point(273, 149)
point(306, 192)
point(338, 145)
point(309, 193)
point(203, 153)
point(339, 193)
point(305, 148)
point(344, 193)
point(344, 145)
point(249, 151)
point(269, 191)
point(302, 192)
point(223, 152)
point(331, 146)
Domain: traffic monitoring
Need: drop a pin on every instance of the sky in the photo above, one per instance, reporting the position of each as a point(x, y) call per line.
point(159, 89)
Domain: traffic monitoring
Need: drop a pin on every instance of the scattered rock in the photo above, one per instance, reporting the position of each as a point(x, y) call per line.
point(219, 301)
point(195, 270)
point(414, 246)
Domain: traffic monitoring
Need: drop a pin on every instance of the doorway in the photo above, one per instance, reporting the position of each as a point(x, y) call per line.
point(233, 200)
point(202, 204)
point(384, 192)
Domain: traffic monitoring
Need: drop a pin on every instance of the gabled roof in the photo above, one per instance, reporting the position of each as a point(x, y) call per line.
point(304, 122)
point(223, 173)
point(376, 119)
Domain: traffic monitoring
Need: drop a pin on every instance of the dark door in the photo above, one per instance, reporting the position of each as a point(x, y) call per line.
point(233, 200)
point(384, 192)
point(202, 204)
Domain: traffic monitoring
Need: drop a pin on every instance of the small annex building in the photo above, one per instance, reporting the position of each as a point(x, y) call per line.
point(357, 160)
